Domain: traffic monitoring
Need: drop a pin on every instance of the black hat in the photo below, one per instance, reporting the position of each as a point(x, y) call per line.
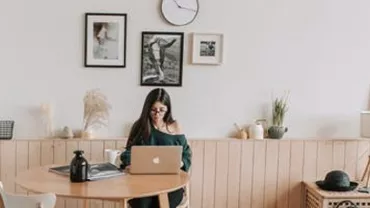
point(337, 180)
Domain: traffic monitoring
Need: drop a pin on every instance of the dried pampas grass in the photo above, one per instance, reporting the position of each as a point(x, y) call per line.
point(96, 110)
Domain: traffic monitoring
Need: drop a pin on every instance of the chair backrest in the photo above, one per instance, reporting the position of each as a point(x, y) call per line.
point(47, 200)
point(185, 203)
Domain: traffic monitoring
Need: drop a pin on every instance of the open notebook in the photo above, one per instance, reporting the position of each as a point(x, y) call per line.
point(97, 171)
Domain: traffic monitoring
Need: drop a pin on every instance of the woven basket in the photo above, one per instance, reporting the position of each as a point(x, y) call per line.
point(317, 198)
point(6, 129)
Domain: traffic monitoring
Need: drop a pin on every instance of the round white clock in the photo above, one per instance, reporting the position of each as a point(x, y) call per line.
point(180, 12)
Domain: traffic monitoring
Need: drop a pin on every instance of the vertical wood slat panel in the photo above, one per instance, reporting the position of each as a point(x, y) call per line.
point(34, 154)
point(196, 188)
point(209, 175)
point(338, 155)
point(222, 161)
point(60, 158)
point(86, 147)
point(97, 155)
point(108, 145)
point(246, 175)
point(120, 145)
point(295, 173)
point(233, 174)
point(259, 174)
point(350, 159)
point(8, 166)
point(362, 157)
point(215, 166)
point(47, 152)
point(310, 161)
point(1, 179)
point(21, 161)
point(272, 155)
point(283, 175)
point(324, 158)
point(71, 146)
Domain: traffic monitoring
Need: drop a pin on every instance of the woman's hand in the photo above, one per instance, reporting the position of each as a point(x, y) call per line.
point(182, 163)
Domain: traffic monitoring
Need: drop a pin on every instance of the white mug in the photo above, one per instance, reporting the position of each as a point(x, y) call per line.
point(112, 155)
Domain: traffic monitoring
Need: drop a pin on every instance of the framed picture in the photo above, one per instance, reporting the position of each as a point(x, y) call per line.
point(105, 40)
point(207, 48)
point(162, 58)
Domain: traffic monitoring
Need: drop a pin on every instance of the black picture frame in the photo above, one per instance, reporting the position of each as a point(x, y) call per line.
point(105, 40)
point(162, 58)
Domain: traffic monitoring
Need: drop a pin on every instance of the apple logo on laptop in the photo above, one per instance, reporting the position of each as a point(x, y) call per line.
point(156, 160)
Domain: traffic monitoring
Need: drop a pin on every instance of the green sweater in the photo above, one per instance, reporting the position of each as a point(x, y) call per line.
point(160, 138)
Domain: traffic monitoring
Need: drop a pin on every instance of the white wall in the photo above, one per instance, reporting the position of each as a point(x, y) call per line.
point(319, 50)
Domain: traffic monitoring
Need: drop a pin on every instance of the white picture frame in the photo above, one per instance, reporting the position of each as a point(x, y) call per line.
point(208, 48)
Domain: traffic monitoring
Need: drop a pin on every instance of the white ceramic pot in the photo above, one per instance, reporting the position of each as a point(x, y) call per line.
point(256, 131)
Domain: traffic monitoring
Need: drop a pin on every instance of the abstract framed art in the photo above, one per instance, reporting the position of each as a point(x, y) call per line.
point(208, 48)
point(105, 39)
point(162, 58)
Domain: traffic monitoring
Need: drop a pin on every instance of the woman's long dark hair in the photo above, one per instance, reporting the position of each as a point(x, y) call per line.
point(142, 127)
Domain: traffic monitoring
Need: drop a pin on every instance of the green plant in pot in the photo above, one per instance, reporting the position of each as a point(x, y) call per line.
point(279, 109)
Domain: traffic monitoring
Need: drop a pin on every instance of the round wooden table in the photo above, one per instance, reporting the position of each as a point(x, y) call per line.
point(121, 188)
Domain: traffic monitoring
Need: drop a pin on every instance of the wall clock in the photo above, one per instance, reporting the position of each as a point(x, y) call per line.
point(180, 12)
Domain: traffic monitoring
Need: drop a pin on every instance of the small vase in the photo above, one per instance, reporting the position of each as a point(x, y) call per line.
point(277, 132)
point(243, 134)
point(67, 133)
point(256, 131)
point(87, 134)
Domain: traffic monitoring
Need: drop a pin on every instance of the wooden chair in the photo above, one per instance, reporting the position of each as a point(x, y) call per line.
point(27, 201)
point(185, 203)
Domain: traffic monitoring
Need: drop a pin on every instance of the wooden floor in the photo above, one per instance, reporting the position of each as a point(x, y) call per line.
point(225, 173)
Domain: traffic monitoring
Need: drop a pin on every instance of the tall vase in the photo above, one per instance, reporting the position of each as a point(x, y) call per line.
point(47, 118)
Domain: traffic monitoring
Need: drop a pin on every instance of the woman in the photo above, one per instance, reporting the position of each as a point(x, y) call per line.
point(156, 126)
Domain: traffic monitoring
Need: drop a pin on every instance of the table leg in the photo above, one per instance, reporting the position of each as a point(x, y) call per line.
point(85, 203)
point(124, 203)
point(163, 201)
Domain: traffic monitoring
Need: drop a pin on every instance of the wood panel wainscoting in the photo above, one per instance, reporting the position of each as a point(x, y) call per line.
point(225, 173)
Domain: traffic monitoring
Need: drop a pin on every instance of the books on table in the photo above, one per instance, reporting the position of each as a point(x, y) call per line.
point(96, 171)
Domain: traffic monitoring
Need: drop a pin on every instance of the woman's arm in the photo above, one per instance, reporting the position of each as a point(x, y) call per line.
point(126, 155)
point(186, 155)
point(186, 151)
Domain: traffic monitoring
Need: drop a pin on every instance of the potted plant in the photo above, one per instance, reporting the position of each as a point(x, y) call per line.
point(96, 112)
point(279, 109)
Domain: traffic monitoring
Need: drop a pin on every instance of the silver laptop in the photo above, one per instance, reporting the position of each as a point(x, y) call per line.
point(155, 159)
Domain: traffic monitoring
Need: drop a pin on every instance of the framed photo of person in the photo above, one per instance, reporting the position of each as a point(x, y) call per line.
point(105, 40)
point(161, 58)
point(207, 48)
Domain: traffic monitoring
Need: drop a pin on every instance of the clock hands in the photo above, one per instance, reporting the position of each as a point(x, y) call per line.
point(190, 9)
point(181, 7)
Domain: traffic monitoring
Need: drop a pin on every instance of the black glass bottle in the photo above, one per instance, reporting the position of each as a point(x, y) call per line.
point(79, 167)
